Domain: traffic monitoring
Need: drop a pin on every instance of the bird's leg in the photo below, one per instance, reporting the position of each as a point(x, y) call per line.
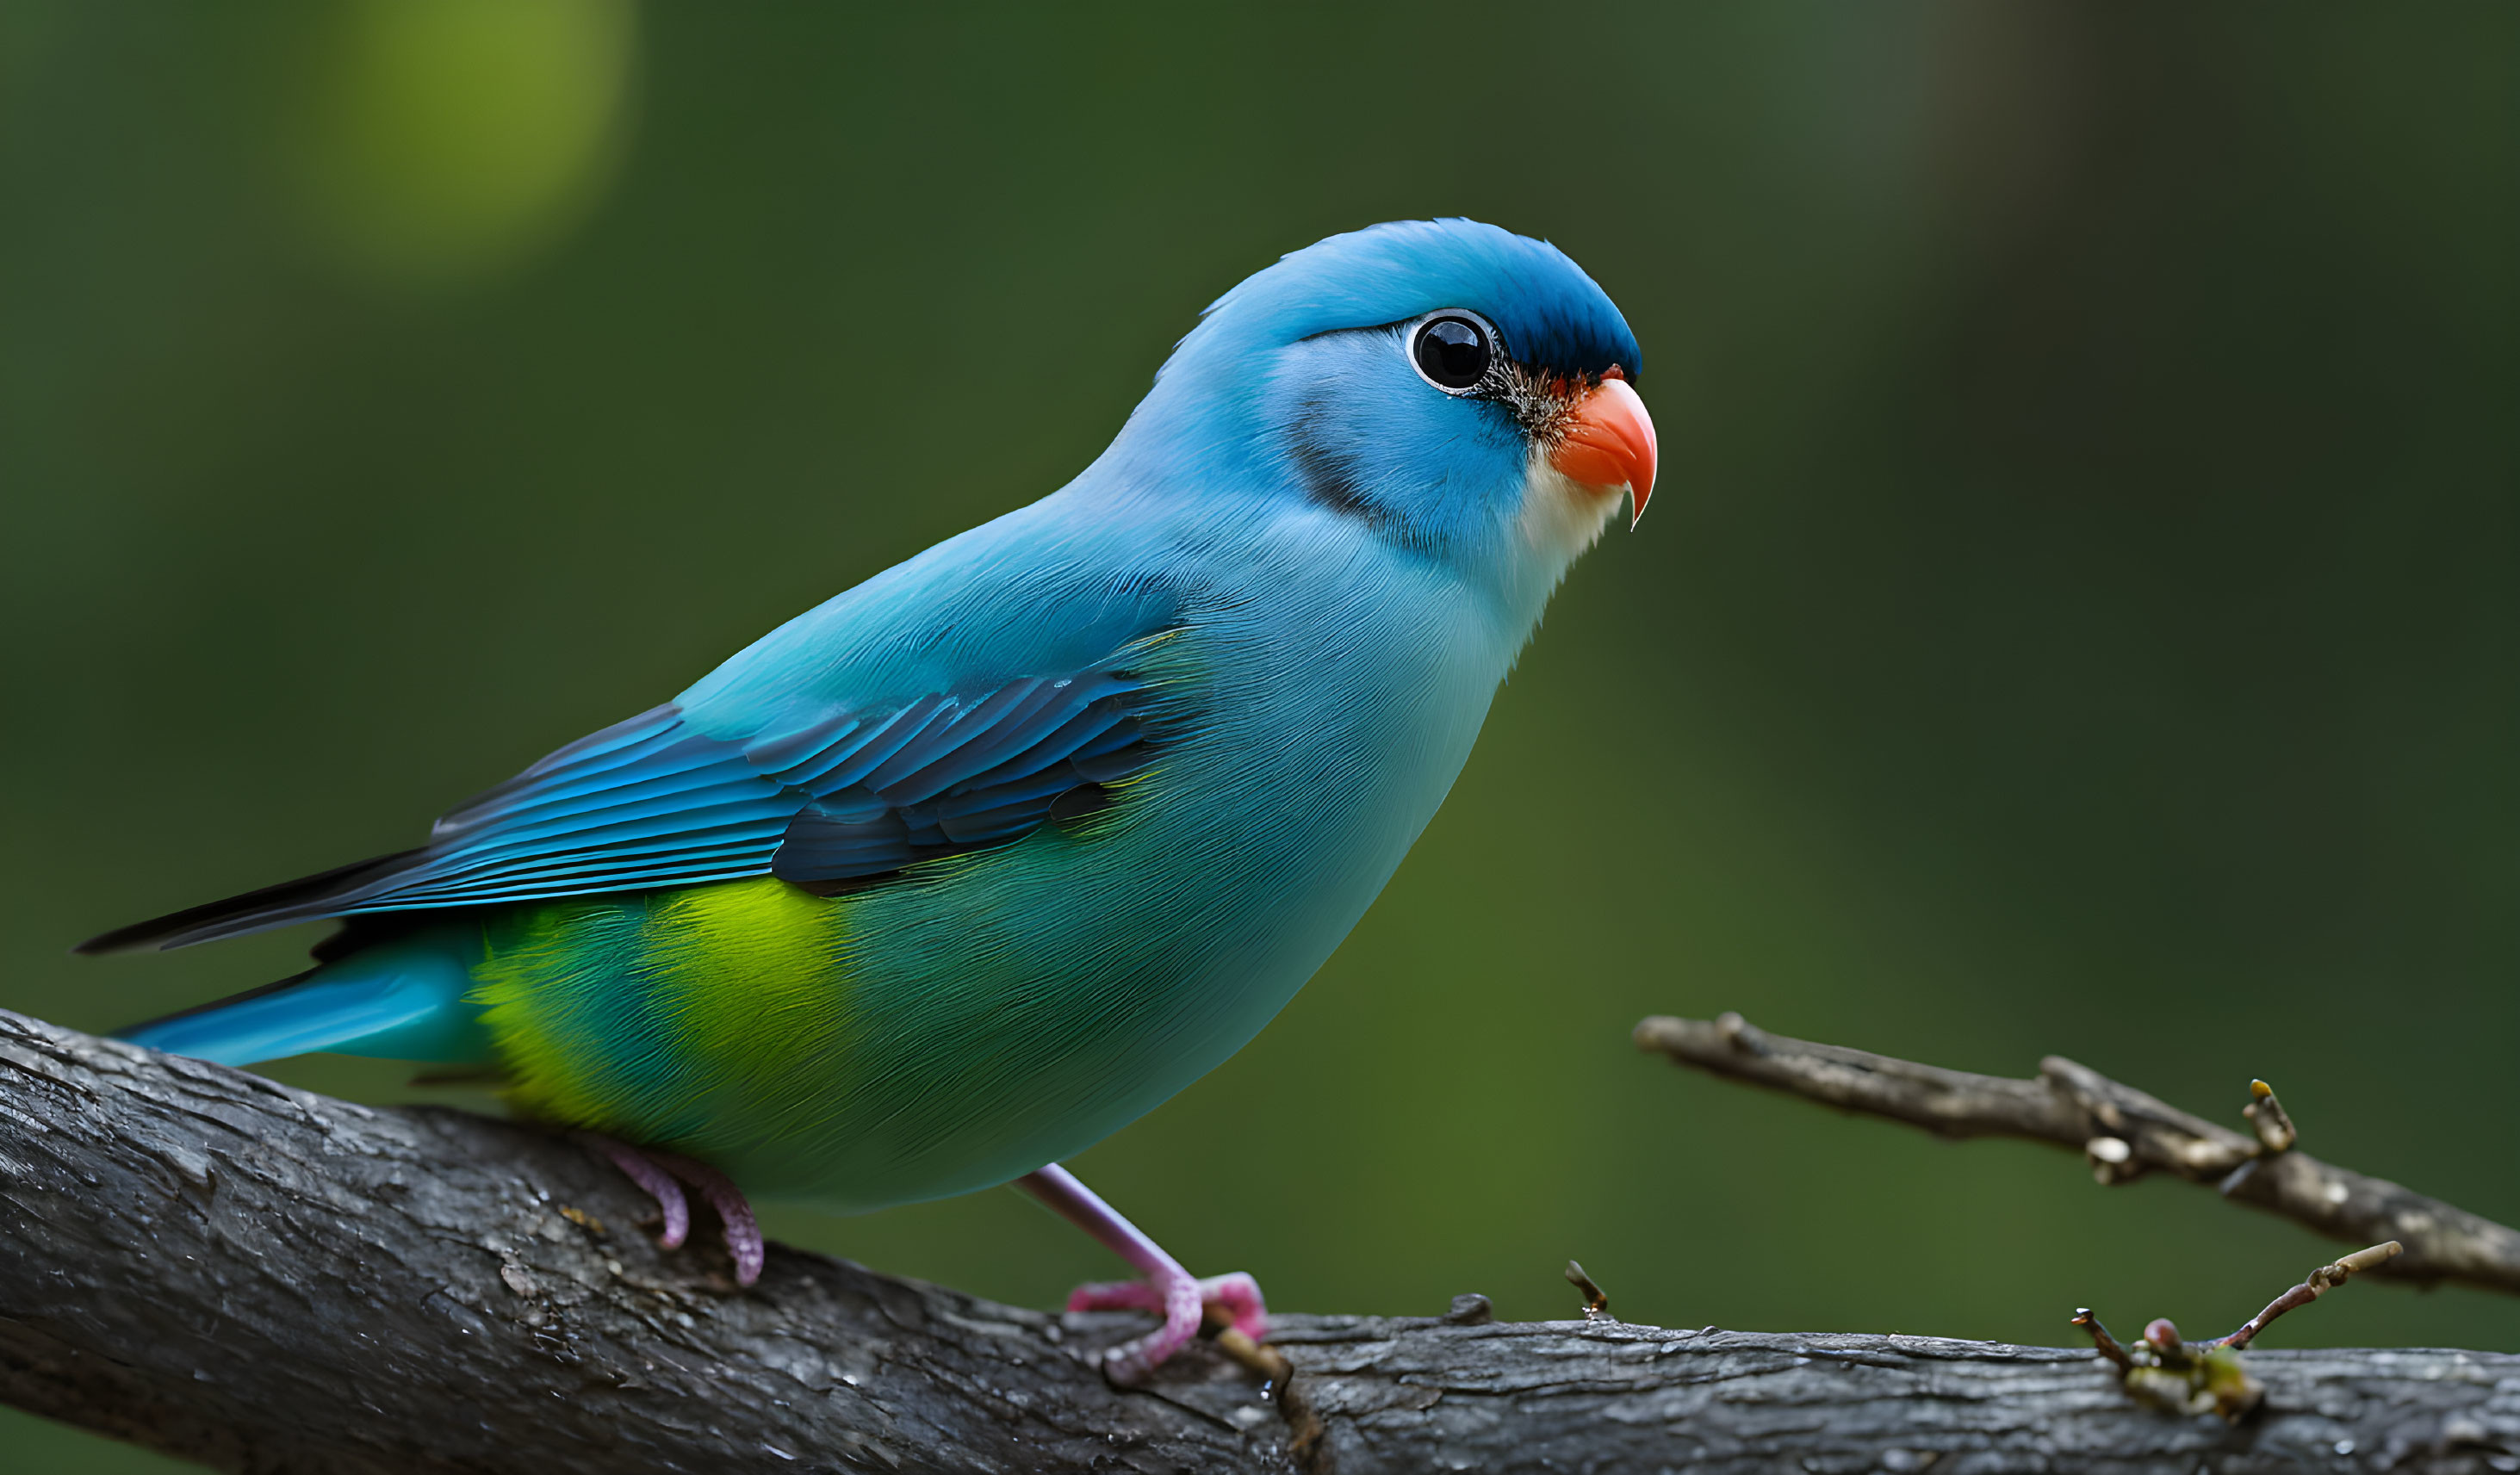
point(1168, 1290)
point(655, 1172)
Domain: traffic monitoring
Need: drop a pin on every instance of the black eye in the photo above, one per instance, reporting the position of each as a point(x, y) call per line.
point(1453, 352)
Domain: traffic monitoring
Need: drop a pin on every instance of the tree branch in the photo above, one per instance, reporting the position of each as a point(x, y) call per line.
point(2122, 1131)
point(264, 1279)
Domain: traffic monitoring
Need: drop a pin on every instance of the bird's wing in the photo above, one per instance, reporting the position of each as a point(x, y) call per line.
point(825, 795)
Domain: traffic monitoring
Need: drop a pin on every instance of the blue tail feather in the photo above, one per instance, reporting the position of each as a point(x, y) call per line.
point(402, 1000)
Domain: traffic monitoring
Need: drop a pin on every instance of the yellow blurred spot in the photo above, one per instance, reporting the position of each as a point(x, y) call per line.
point(440, 140)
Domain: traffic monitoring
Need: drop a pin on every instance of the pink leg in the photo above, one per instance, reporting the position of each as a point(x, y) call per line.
point(1168, 1290)
point(655, 1172)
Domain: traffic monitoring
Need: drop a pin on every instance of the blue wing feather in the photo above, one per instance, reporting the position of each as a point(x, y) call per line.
point(832, 797)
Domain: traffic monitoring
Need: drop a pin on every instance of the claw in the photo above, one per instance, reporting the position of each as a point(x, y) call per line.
point(734, 1211)
point(660, 1184)
point(655, 1172)
point(1231, 1302)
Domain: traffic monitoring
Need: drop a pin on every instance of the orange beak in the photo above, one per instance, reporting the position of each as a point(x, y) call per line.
point(1609, 443)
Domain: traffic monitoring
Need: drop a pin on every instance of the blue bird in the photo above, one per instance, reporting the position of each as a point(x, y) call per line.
point(961, 871)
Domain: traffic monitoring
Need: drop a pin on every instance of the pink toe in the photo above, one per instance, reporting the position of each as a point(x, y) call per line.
point(1116, 1295)
point(1230, 1300)
point(1174, 1296)
point(742, 1232)
point(660, 1185)
point(743, 1238)
point(1237, 1296)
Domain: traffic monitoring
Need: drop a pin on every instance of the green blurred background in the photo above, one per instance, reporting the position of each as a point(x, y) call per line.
point(2080, 612)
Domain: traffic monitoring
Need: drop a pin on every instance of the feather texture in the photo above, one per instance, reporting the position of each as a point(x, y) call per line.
point(825, 798)
point(978, 861)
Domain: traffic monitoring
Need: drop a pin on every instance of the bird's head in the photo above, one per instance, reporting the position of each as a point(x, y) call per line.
point(1462, 390)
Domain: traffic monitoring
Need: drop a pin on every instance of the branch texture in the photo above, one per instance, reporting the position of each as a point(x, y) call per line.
point(264, 1279)
point(2122, 1131)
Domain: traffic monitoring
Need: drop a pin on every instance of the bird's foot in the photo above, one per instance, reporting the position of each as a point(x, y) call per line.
point(657, 1171)
point(1182, 1298)
point(1233, 1302)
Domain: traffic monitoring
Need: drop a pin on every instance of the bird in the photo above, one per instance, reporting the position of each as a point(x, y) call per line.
point(959, 873)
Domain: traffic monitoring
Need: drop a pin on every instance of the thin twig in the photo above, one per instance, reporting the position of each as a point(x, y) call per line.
point(2317, 1284)
point(2169, 1371)
point(2120, 1132)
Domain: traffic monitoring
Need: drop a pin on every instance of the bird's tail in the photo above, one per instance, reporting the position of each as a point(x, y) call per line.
point(406, 1000)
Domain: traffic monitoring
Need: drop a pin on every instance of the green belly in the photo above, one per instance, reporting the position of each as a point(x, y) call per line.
point(707, 1019)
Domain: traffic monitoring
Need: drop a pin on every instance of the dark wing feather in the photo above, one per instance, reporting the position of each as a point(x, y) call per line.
point(829, 802)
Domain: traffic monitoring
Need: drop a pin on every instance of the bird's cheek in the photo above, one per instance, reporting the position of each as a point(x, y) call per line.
point(1609, 443)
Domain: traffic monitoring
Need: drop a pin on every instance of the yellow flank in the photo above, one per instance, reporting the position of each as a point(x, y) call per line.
point(751, 971)
point(630, 1014)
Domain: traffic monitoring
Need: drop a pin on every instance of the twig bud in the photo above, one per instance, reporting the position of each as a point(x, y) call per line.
point(1597, 1304)
point(2275, 1131)
point(2106, 1344)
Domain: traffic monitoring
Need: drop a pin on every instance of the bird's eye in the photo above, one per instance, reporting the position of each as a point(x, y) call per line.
point(1454, 352)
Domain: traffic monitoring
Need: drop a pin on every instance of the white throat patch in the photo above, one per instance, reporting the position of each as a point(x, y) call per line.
point(1560, 517)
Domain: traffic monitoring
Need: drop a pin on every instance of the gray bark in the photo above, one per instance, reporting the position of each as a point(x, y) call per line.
point(264, 1279)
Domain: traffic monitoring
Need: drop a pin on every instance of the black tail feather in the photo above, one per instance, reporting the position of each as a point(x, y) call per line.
point(300, 900)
